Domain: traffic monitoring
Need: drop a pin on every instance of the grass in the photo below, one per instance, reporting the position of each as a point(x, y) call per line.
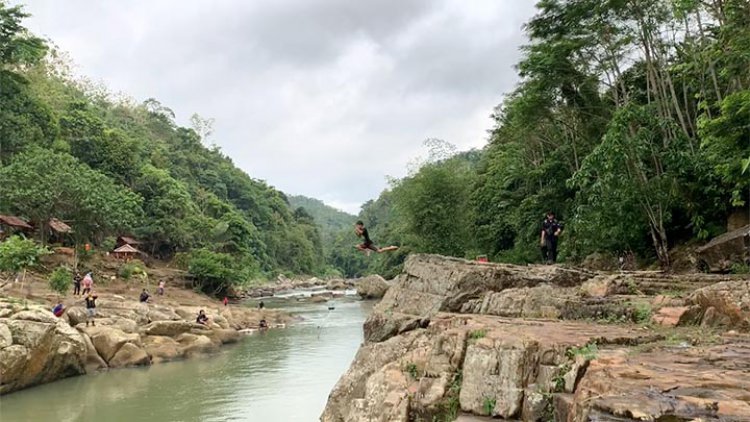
point(449, 407)
point(588, 351)
point(642, 313)
point(411, 369)
point(488, 405)
point(477, 334)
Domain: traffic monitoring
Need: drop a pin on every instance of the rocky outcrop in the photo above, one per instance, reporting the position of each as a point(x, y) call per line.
point(371, 287)
point(36, 347)
point(459, 340)
point(722, 252)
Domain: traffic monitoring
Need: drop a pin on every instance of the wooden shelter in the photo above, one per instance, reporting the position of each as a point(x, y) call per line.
point(126, 252)
point(127, 240)
point(58, 231)
point(10, 225)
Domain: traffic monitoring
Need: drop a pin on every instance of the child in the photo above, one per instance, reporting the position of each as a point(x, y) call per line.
point(368, 246)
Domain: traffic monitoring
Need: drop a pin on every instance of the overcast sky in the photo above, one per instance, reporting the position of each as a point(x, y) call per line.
point(320, 98)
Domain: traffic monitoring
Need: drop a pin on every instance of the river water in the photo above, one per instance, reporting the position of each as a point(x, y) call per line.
point(281, 375)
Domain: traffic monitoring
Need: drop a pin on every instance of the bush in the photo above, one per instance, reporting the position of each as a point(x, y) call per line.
point(60, 280)
point(108, 244)
point(213, 272)
point(18, 253)
point(128, 270)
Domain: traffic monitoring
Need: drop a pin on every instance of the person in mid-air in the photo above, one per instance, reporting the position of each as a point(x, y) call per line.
point(551, 230)
point(368, 246)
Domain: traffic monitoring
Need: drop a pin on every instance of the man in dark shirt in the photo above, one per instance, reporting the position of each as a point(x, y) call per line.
point(90, 308)
point(551, 229)
point(144, 296)
point(77, 283)
point(368, 246)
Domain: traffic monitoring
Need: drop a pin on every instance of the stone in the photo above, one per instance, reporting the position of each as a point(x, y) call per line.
point(220, 336)
point(129, 355)
point(6, 337)
point(38, 315)
point(721, 252)
point(730, 301)
point(371, 287)
point(598, 261)
point(108, 341)
point(41, 352)
point(76, 315)
point(339, 284)
point(162, 349)
point(167, 328)
point(669, 316)
point(195, 344)
point(93, 362)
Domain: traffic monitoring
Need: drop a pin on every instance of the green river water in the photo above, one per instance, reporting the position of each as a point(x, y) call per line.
point(282, 375)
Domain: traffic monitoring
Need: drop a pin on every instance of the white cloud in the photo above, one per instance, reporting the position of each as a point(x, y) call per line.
point(321, 98)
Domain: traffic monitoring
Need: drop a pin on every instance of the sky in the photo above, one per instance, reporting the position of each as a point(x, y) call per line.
point(323, 98)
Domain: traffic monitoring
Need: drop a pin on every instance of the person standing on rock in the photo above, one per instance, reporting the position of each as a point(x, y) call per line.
point(77, 284)
point(90, 308)
point(368, 246)
point(88, 282)
point(160, 290)
point(551, 230)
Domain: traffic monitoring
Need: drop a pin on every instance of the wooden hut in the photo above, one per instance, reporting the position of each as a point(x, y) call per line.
point(127, 240)
point(126, 252)
point(10, 225)
point(58, 231)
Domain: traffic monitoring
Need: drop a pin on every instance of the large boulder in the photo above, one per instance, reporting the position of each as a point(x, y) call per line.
point(94, 362)
point(108, 341)
point(129, 355)
point(196, 344)
point(725, 303)
point(433, 283)
point(723, 251)
point(161, 348)
point(167, 328)
point(372, 287)
point(40, 350)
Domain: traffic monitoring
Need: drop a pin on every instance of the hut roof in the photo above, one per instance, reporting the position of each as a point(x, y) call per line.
point(129, 240)
point(59, 226)
point(9, 220)
point(126, 249)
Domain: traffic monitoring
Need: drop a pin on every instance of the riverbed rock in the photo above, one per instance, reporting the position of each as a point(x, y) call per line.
point(108, 340)
point(6, 337)
point(40, 351)
point(371, 287)
point(725, 303)
point(129, 355)
point(339, 284)
point(93, 361)
point(723, 251)
point(167, 328)
point(162, 348)
point(220, 336)
point(196, 344)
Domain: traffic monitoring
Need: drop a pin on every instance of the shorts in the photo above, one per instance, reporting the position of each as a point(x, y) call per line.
point(368, 245)
point(91, 312)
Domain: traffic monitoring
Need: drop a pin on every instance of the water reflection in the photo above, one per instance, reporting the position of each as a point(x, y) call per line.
point(281, 375)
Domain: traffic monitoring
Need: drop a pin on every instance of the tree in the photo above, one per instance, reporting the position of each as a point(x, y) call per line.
point(59, 281)
point(18, 254)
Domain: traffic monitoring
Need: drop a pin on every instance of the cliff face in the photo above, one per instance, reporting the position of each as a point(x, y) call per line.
point(453, 338)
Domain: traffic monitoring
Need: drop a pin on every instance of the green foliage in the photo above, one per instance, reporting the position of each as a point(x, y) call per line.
point(448, 408)
point(488, 405)
point(588, 351)
point(412, 370)
point(130, 269)
point(740, 268)
point(18, 254)
point(477, 334)
point(642, 313)
point(60, 280)
point(214, 273)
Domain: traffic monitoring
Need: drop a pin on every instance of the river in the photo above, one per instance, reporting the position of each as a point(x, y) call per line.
point(281, 375)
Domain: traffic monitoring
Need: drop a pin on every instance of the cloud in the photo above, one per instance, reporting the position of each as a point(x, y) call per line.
point(321, 98)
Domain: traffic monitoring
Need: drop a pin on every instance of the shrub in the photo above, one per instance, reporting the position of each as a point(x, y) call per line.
point(128, 270)
point(214, 273)
point(477, 334)
point(60, 280)
point(18, 254)
point(489, 405)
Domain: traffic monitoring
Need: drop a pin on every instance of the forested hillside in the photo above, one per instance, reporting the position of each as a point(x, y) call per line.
point(631, 122)
point(110, 166)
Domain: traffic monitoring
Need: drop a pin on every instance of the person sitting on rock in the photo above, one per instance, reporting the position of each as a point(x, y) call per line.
point(262, 324)
point(90, 308)
point(202, 318)
point(144, 296)
point(58, 309)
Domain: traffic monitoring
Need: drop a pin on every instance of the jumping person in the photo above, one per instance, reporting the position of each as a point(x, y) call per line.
point(551, 229)
point(368, 246)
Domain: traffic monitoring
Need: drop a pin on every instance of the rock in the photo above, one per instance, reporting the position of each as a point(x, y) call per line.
point(723, 251)
point(108, 341)
point(41, 352)
point(372, 287)
point(37, 315)
point(6, 338)
point(317, 299)
point(730, 301)
point(93, 362)
point(220, 336)
point(129, 355)
point(598, 261)
point(161, 348)
point(339, 284)
point(76, 315)
point(669, 316)
point(433, 283)
point(599, 286)
point(192, 343)
point(167, 328)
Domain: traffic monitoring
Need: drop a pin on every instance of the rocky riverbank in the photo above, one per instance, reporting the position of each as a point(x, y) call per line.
point(460, 340)
point(36, 347)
